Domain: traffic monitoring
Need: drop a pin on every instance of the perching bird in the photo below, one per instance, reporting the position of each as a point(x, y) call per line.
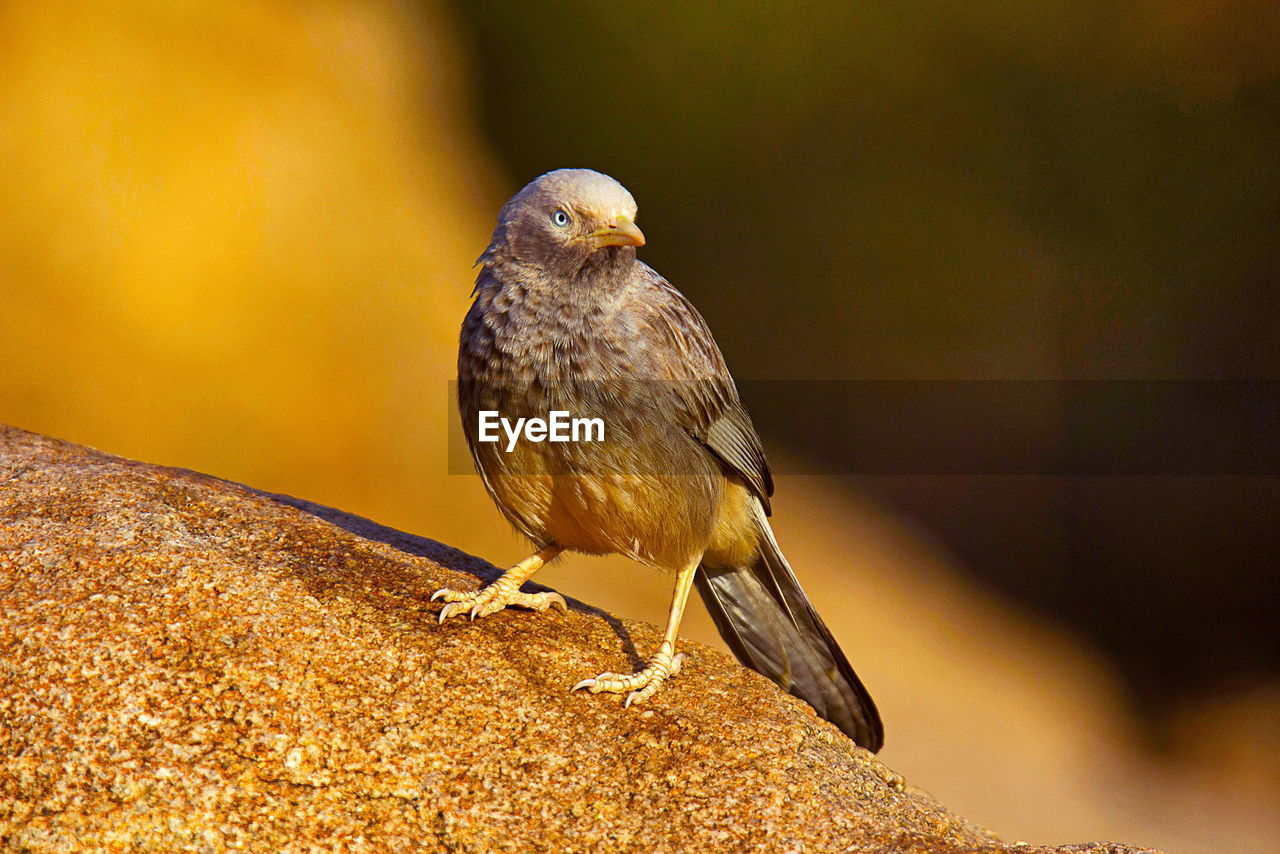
point(567, 319)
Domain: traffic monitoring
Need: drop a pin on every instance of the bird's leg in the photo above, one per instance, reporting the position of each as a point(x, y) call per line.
point(664, 664)
point(503, 592)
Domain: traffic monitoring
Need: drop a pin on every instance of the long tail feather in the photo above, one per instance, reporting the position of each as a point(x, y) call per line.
point(766, 619)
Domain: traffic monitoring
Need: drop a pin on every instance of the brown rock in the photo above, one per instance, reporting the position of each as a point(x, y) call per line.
point(190, 664)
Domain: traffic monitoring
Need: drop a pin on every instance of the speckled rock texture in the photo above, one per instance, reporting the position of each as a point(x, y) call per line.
point(187, 664)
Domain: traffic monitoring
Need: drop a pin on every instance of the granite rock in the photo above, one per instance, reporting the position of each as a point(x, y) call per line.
point(187, 664)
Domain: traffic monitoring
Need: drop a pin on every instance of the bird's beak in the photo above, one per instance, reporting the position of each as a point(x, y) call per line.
point(621, 232)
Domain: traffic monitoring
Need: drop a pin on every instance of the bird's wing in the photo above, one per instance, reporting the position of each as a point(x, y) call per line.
point(705, 398)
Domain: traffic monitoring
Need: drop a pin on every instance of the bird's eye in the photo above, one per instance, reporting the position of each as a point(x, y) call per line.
point(560, 219)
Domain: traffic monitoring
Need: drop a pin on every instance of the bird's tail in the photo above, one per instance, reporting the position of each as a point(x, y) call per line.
point(766, 619)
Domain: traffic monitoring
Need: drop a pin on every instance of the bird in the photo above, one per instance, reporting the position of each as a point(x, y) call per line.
point(566, 318)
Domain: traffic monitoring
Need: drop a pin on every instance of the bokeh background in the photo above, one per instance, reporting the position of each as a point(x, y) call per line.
point(238, 238)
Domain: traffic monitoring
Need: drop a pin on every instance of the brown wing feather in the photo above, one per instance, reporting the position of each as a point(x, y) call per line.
point(706, 399)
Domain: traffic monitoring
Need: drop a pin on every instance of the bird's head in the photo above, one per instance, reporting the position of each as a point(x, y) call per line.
point(567, 220)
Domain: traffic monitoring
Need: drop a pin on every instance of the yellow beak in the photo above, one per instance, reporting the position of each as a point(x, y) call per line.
point(620, 232)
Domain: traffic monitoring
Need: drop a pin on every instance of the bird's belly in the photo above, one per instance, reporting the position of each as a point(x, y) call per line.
point(645, 490)
point(661, 520)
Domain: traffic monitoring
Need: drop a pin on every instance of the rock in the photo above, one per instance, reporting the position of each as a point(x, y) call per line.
point(191, 664)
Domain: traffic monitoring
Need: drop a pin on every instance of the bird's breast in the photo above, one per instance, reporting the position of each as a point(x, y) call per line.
point(646, 489)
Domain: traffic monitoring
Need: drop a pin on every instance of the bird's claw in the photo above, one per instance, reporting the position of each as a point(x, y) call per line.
point(641, 686)
point(495, 597)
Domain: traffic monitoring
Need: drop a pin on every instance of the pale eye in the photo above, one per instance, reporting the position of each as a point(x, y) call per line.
point(560, 219)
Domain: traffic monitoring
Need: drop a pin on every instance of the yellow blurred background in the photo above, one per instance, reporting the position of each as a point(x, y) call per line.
point(239, 238)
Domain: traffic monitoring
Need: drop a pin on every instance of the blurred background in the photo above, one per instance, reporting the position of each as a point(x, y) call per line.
point(238, 238)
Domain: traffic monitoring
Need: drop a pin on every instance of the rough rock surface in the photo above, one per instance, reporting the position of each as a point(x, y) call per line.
point(187, 664)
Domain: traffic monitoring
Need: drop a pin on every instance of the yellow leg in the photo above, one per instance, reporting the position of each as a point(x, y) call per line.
point(664, 664)
point(503, 592)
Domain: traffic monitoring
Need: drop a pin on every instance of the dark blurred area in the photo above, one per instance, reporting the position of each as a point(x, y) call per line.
point(944, 191)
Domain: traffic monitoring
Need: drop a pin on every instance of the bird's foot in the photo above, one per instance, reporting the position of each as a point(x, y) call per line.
point(495, 597)
point(643, 685)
